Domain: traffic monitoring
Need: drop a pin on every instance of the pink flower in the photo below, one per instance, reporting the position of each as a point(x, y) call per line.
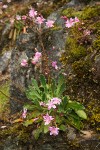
point(50, 23)
point(24, 63)
point(32, 13)
point(64, 17)
point(42, 104)
point(4, 6)
point(47, 119)
point(24, 17)
point(40, 20)
point(38, 54)
point(79, 29)
point(36, 119)
point(56, 100)
point(12, 20)
point(54, 64)
point(53, 130)
point(36, 57)
point(69, 23)
point(76, 20)
point(18, 17)
point(86, 32)
point(51, 104)
point(24, 113)
point(53, 47)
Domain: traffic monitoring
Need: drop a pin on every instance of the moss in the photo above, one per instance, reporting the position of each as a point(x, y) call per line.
point(86, 1)
point(87, 13)
point(19, 131)
point(76, 51)
point(80, 53)
point(3, 99)
point(59, 3)
point(55, 28)
point(71, 12)
point(81, 68)
point(94, 111)
point(91, 12)
point(96, 44)
point(46, 11)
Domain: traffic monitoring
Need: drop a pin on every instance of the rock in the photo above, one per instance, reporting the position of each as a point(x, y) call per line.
point(96, 71)
point(20, 76)
point(47, 142)
point(5, 62)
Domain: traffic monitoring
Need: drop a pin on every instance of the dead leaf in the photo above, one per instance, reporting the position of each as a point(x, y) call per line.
point(87, 134)
point(18, 120)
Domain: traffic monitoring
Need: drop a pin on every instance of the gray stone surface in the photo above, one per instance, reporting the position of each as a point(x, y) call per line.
point(5, 62)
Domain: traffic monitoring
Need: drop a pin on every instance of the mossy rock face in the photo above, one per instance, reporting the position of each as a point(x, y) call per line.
point(81, 59)
point(91, 12)
point(19, 137)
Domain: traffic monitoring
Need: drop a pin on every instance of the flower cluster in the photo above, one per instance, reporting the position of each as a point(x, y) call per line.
point(51, 103)
point(47, 118)
point(70, 22)
point(54, 65)
point(33, 16)
point(35, 59)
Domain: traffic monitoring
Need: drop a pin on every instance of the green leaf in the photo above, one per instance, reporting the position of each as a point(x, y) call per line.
point(75, 122)
point(75, 105)
point(62, 127)
point(60, 82)
point(81, 113)
point(35, 94)
point(35, 84)
point(43, 97)
point(61, 90)
point(28, 122)
point(37, 132)
point(64, 102)
point(53, 87)
point(43, 80)
point(30, 107)
point(46, 128)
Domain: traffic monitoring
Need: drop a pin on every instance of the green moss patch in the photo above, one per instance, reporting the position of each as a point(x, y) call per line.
point(82, 47)
point(4, 87)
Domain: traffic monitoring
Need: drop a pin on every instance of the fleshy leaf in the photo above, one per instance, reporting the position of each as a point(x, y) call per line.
point(46, 128)
point(75, 105)
point(63, 127)
point(81, 113)
point(28, 122)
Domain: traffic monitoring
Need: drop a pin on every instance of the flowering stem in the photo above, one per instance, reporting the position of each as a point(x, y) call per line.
point(45, 67)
